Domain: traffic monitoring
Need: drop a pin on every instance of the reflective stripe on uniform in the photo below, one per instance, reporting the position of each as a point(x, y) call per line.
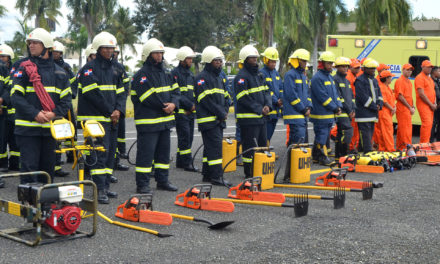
point(343, 115)
point(65, 92)
point(107, 87)
point(365, 119)
point(89, 87)
point(252, 90)
point(150, 121)
point(161, 166)
point(248, 115)
point(206, 119)
point(120, 90)
point(71, 80)
point(215, 162)
point(14, 153)
point(298, 81)
point(210, 91)
point(247, 160)
point(49, 89)
point(99, 171)
point(294, 102)
point(17, 88)
point(144, 169)
point(327, 101)
point(20, 122)
point(293, 117)
point(268, 79)
point(121, 140)
point(184, 152)
point(3, 155)
point(97, 118)
point(369, 101)
point(322, 116)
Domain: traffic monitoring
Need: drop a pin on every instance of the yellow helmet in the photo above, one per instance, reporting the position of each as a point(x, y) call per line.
point(210, 53)
point(6, 50)
point(152, 45)
point(104, 39)
point(185, 52)
point(58, 46)
point(301, 54)
point(327, 56)
point(271, 53)
point(247, 52)
point(41, 35)
point(342, 61)
point(90, 50)
point(370, 63)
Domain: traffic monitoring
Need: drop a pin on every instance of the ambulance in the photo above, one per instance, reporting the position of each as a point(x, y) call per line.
point(394, 51)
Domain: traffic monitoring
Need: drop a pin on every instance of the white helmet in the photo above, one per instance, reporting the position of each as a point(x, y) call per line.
point(185, 52)
point(210, 53)
point(104, 39)
point(6, 50)
point(90, 50)
point(248, 51)
point(152, 45)
point(41, 35)
point(58, 46)
point(117, 49)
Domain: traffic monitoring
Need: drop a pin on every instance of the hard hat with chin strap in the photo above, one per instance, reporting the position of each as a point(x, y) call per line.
point(342, 61)
point(6, 50)
point(104, 39)
point(185, 52)
point(152, 45)
point(41, 35)
point(370, 63)
point(58, 46)
point(299, 54)
point(210, 53)
point(270, 53)
point(327, 56)
point(248, 51)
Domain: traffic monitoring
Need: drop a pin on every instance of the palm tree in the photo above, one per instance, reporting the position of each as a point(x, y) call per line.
point(18, 42)
point(379, 17)
point(91, 13)
point(3, 10)
point(122, 27)
point(41, 9)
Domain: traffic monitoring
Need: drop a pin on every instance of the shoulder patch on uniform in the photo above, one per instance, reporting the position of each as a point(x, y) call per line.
point(18, 74)
point(12, 70)
point(88, 72)
point(143, 79)
point(200, 82)
point(241, 81)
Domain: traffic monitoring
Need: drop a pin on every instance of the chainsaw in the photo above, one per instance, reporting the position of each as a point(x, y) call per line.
point(336, 178)
point(250, 189)
point(199, 197)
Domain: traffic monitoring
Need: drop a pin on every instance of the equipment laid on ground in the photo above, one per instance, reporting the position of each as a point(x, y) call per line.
point(229, 151)
point(354, 163)
point(199, 197)
point(336, 178)
point(367, 191)
point(53, 210)
point(139, 208)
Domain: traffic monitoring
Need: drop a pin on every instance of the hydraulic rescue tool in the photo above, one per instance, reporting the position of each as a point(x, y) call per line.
point(367, 190)
point(139, 208)
point(336, 178)
point(350, 162)
point(199, 197)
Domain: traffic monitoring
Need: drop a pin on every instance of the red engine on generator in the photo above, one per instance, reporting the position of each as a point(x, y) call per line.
point(64, 220)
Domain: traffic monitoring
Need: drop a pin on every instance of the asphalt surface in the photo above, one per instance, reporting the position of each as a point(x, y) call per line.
point(399, 225)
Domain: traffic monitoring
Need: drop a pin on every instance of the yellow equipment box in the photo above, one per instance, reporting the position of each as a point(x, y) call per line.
point(264, 167)
point(229, 150)
point(300, 164)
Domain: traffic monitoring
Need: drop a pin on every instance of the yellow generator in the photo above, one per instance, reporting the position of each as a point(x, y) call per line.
point(229, 150)
point(264, 167)
point(300, 163)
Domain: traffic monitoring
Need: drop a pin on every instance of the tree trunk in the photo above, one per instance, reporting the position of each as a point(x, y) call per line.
point(121, 53)
point(37, 21)
point(315, 51)
point(271, 28)
point(80, 58)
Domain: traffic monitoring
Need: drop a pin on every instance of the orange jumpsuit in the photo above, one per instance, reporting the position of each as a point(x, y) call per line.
point(377, 132)
point(426, 83)
point(385, 124)
point(404, 87)
point(355, 139)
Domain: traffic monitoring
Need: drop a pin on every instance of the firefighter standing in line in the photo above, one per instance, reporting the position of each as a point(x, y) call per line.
point(368, 102)
point(120, 144)
point(385, 124)
point(32, 128)
point(185, 116)
point(102, 98)
point(155, 96)
point(377, 133)
point(435, 133)
point(296, 97)
point(58, 52)
point(344, 130)
point(425, 100)
point(253, 104)
point(353, 72)
point(275, 84)
point(326, 104)
point(212, 105)
point(403, 89)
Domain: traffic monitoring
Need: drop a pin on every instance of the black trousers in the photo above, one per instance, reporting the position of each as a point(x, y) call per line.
point(185, 134)
point(121, 135)
point(435, 132)
point(153, 150)
point(14, 152)
point(343, 138)
point(212, 153)
point(366, 131)
point(250, 133)
point(3, 141)
point(102, 170)
point(37, 154)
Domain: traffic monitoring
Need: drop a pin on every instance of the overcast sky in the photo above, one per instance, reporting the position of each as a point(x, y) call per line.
point(9, 23)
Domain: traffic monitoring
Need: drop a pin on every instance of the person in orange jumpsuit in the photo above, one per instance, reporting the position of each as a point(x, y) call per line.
point(376, 137)
point(385, 124)
point(425, 100)
point(404, 107)
point(352, 73)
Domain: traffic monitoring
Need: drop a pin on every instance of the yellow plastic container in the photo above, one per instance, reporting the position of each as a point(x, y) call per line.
point(264, 167)
point(229, 150)
point(300, 164)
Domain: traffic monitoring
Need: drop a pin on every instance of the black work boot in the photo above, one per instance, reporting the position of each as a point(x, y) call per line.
point(113, 179)
point(144, 190)
point(323, 157)
point(166, 186)
point(315, 153)
point(221, 182)
point(102, 197)
point(111, 194)
point(61, 173)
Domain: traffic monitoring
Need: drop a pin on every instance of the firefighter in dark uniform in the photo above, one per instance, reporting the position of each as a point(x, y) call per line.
point(212, 105)
point(5, 55)
point(185, 116)
point(32, 128)
point(343, 121)
point(275, 83)
point(102, 98)
point(296, 95)
point(253, 104)
point(121, 148)
point(58, 51)
point(326, 104)
point(155, 96)
point(368, 103)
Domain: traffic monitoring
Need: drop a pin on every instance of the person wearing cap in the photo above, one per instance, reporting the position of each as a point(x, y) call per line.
point(353, 72)
point(296, 95)
point(435, 132)
point(326, 104)
point(425, 100)
point(382, 67)
point(344, 128)
point(403, 90)
point(102, 98)
point(33, 114)
point(185, 116)
point(155, 96)
point(275, 83)
point(368, 102)
point(253, 104)
point(120, 141)
point(377, 132)
point(212, 106)
point(385, 123)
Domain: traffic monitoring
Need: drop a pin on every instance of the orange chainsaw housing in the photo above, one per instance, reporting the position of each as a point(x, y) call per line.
point(199, 197)
point(349, 163)
point(250, 189)
point(137, 211)
point(336, 179)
